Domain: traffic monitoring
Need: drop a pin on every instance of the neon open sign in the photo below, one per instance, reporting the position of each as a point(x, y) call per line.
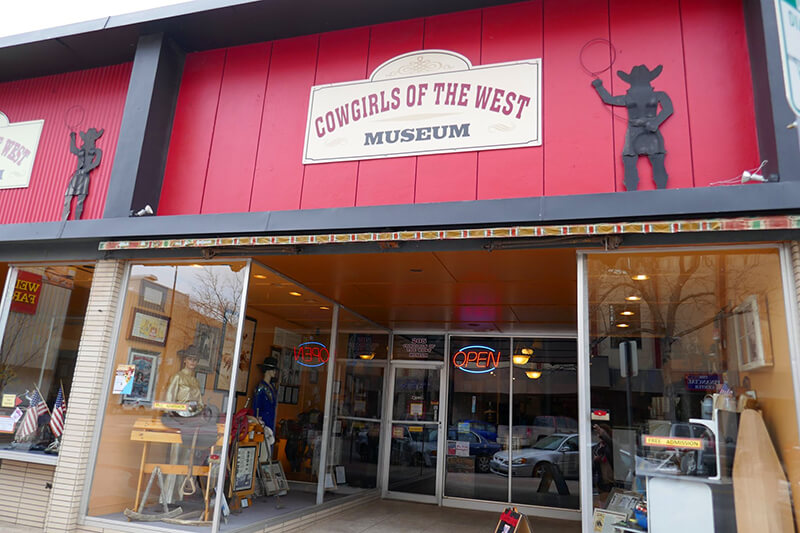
point(476, 359)
point(311, 354)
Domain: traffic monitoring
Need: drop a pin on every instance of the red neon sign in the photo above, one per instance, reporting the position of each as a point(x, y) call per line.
point(311, 354)
point(476, 359)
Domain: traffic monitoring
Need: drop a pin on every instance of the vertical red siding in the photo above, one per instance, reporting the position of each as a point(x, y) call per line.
point(100, 93)
point(577, 139)
point(232, 162)
point(342, 57)
point(191, 134)
point(450, 177)
point(279, 170)
point(511, 33)
point(255, 156)
point(720, 93)
point(660, 21)
point(389, 181)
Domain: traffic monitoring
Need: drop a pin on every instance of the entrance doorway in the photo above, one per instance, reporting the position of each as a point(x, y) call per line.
point(415, 436)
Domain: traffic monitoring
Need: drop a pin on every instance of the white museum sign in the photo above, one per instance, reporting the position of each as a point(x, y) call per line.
point(18, 144)
point(427, 102)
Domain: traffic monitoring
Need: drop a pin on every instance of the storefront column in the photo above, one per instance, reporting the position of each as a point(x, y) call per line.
point(83, 402)
point(795, 246)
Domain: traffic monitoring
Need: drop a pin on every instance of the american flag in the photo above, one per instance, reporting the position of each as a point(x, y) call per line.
point(30, 422)
point(59, 412)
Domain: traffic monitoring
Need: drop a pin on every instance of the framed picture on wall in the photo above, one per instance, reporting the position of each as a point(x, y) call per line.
point(148, 327)
point(206, 341)
point(225, 372)
point(748, 339)
point(153, 296)
point(144, 377)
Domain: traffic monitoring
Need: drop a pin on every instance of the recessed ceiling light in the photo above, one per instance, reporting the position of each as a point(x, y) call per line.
point(640, 277)
point(623, 325)
point(627, 313)
point(633, 298)
point(309, 300)
point(324, 307)
point(259, 276)
point(295, 293)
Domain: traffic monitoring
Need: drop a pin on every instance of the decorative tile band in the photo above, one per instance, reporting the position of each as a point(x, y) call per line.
point(605, 228)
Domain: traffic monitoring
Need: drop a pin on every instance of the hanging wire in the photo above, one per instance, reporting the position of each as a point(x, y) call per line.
point(740, 177)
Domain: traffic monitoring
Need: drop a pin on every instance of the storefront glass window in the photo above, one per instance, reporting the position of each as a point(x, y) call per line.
point(356, 406)
point(418, 347)
point(172, 372)
point(683, 345)
point(477, 407)
point(545, 452)
point(41, 323)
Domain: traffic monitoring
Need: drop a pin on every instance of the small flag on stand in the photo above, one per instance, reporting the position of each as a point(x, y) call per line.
point(58, 414)
point(30, 422)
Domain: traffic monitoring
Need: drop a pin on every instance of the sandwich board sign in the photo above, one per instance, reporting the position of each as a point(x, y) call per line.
point(788, 16)
point(512, 521)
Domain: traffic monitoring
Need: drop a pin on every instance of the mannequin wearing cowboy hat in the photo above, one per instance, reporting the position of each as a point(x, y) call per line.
point(266, 395)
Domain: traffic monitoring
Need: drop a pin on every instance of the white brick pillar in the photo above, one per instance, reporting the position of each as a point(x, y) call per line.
point(81, 422)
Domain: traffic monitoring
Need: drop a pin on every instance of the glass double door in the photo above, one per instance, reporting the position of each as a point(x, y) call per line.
point(415, 436)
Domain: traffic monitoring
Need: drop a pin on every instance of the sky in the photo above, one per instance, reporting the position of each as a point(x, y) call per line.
point(31, 15)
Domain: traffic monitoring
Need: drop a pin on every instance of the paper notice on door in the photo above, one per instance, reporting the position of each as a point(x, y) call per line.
point(6, 424)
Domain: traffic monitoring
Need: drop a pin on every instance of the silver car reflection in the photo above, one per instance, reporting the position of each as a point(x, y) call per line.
point(558, 449)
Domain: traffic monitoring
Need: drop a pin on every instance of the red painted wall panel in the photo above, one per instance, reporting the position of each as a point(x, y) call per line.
point(258, 141)
point(231, 165)
point(660, 19)
point(191, 134)
point(93, 98)
point(723, 119)
point(389, 181)
point(511, 33)
point(278, 180)
point(342, 57)
point(577, 138)
point(450, 177)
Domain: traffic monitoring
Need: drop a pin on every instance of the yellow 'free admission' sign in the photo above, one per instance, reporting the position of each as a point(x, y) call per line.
point(672, 442)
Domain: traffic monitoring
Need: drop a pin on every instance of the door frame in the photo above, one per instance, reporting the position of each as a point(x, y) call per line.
point(390, 421)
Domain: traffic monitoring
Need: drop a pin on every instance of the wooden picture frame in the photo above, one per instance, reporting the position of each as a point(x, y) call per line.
point(145, 376)
point(148, 327)
point(153, 296)
point(747, 335)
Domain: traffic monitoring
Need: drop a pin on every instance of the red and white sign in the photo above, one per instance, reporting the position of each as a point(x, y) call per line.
point(27, 290)
point(426, 102)
point(18, 144)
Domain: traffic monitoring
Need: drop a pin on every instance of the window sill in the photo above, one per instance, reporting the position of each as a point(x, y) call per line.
point(28, 457)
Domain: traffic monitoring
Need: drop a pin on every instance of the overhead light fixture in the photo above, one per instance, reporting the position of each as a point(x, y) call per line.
point(633, 298)
point(259, 276)
point(367, 356)
point(623, 325)
point(324, 307)
point(533, 374)
point(640, 277)
point(527, 351)
point(627, 313)
point(520, 360)
point(295, 293)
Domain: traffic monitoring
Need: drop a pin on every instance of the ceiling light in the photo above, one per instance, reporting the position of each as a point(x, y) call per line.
point(623, 325)
point(527, 351)
point(633, 298)
point(295, 293)
point(627, 313)
point(520, 360)
point(367, 356)
point(259, 276)
point(640, 277)
point(533, 374)
point(324, 307)
point(309, 300)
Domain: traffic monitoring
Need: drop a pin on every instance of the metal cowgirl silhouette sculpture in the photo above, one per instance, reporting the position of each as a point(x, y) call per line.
point(89, 157)
point(644, 119)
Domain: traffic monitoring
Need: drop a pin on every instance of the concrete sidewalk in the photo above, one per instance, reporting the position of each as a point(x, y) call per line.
point(389, 516)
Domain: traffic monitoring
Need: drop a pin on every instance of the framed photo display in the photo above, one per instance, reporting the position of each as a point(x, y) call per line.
point(245, 469)
point(148, 327)
point(144, 377)
point(153, 296)
point(207, 342)
point(225, 372)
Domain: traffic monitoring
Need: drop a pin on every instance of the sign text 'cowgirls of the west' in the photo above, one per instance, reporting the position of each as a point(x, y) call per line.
point(426, 102)
point(18, 144)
